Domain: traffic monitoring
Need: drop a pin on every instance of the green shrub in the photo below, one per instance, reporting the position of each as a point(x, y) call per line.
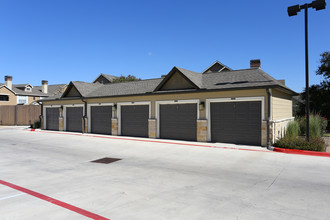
point(314, 144)
point(36, 124)
point(317, 125)
point(314, 127)
point(292, 130)
point(302, 125)
point(324, 124)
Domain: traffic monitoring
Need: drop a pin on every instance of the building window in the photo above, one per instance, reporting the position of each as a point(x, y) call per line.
point(4, 98)
point(28, 89)
point(22, 99)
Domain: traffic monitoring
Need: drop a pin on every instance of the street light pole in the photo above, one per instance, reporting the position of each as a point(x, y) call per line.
point(293, 10)
point(307, 72)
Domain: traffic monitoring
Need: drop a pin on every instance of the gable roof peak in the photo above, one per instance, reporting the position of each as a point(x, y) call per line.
point(194, 78)
point(108, 77)
point(217, 66)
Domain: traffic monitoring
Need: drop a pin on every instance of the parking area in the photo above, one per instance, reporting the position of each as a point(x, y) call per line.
point(155, 179)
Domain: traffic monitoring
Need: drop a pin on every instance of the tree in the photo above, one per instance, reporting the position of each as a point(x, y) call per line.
point(123, 78)
point(319, 95)
point(324, 68)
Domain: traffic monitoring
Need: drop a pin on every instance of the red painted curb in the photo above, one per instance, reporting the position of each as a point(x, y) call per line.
point(301, 152)
point(32, 129)
point(54, 201)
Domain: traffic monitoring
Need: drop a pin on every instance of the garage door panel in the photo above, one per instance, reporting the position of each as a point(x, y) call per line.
point(134, 120)
point(101, 119)
point(178, 121)
point(52, 118)
point(74, 119)
point(236, 122)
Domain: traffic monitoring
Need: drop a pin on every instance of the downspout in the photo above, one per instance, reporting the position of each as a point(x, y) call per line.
point(85, 114)
point(41, 115)
point(269, 97)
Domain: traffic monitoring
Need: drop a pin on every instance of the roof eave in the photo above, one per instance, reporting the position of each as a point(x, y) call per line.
point(177, 92)
point(8, 89)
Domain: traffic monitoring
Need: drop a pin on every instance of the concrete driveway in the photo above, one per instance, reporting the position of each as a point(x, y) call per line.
point(154, 180)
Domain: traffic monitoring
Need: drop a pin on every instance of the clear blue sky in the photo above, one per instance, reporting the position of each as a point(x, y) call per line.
point(68, 40)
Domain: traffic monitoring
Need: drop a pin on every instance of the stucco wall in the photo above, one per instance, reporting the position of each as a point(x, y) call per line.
point(32, 99)
point(202, 96)
point(12, 97)
point(282, 105)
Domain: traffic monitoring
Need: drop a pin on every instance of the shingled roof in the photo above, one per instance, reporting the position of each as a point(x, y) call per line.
point(108, 77)
point(53, 90)
point(224, 80)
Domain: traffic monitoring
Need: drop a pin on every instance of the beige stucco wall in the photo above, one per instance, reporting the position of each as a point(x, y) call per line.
point(12, 97)
point(281, 105)
point(32, 99)
point(202, 96)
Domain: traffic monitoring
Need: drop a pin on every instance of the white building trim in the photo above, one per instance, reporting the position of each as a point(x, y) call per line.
point(285, 119)
point(119, 104)
point(89, 112)
point(158, 103)
point(236, 99)
point(22, 97)
point(64, 112)
point(44, 112)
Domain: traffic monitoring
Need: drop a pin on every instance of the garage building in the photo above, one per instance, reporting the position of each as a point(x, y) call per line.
point(220, 104)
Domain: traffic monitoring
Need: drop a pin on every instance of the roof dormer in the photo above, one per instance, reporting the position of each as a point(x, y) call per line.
point(217, 67)
point(104, 79)
point(28, 88)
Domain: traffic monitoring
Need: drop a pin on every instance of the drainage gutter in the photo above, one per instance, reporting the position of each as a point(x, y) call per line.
point(41, 115)
point(85, 114)
point(269, 97)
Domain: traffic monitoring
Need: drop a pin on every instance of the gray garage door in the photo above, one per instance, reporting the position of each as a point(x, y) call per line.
point(52, 118)
point(101, 119)
point(134, 120)
point(236, 122)
point(74, 119)
point(178, 121)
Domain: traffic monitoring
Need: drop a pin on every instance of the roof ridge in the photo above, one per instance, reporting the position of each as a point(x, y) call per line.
point(131, 81)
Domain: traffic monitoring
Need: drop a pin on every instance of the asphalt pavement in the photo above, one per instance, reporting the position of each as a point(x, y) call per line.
point(49, 175)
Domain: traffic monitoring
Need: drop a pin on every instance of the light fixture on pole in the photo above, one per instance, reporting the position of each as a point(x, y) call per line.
point(292, 11)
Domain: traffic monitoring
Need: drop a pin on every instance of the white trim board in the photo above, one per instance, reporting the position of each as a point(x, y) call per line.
point(236, 99)
point(89, 111)
point(44, 112)
point(158, 103)
point(119, 104)
point(64, 112)
point(280, 120)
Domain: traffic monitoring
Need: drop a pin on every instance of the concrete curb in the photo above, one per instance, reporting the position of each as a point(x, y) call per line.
point(151, 140)
point(301, 152)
